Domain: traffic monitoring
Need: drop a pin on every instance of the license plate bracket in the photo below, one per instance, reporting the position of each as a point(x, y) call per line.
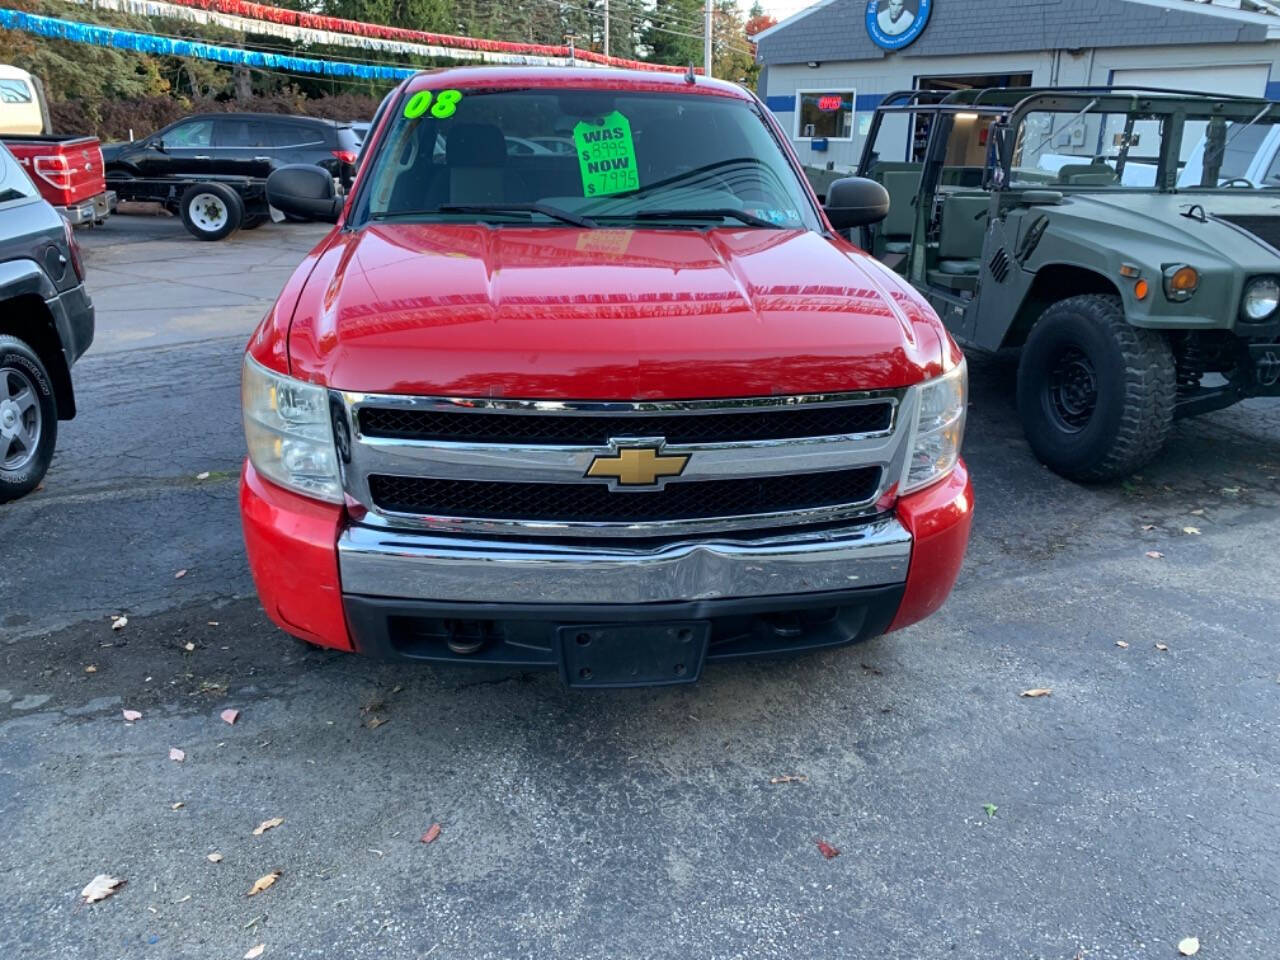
point(632, 655)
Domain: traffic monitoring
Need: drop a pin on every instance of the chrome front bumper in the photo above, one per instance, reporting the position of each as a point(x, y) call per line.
point(419, 566)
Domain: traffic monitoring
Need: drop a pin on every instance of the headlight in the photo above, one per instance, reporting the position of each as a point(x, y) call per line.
point(286, 424)
point(1261, 297)
point(939, 428)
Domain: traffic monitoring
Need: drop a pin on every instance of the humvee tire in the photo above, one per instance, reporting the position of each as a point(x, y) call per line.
point(1096, 395)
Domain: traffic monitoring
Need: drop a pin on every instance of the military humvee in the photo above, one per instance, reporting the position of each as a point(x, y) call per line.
point(1068, 223)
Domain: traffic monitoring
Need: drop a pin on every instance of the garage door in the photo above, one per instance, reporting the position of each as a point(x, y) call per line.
point(1241, 80)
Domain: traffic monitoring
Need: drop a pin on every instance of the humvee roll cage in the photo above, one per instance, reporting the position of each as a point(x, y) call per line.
point(1007, 106)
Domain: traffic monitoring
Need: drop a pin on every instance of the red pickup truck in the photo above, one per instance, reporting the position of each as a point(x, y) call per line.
point(68, 171)
point(618, 411)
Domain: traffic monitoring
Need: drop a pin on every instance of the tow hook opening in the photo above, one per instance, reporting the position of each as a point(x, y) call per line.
point(1267, 367)
point(468, 637)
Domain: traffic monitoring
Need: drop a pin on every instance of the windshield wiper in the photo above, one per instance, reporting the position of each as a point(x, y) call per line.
point(717, 213)
point(555, 213)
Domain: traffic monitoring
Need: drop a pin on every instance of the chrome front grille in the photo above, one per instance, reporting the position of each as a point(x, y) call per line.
point(721, 426)
point(521, 467)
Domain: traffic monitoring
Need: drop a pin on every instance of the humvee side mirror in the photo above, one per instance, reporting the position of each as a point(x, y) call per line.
point(856, 202)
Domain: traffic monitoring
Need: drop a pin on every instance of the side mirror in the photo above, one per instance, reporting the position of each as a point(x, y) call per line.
point(157, 145)
point(305, 191)
point(856, 202)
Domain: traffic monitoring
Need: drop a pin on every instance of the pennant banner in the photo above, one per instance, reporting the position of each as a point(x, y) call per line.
point(261, 11)
point(166, 47)
point(309, 35)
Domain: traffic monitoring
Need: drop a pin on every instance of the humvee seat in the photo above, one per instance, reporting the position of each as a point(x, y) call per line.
point(964, 223)
point(1086, 174)
point(902, 186)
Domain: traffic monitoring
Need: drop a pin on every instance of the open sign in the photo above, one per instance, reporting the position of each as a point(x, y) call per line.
point(830, 102)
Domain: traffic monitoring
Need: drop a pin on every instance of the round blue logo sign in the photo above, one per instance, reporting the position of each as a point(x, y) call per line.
point(894, 24)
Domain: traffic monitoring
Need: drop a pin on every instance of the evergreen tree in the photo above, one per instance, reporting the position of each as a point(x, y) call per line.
point(673, 33)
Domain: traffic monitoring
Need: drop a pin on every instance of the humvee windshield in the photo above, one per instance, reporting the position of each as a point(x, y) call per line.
point(1097, 150)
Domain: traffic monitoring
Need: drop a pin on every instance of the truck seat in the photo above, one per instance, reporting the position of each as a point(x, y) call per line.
point(964, 223)
point(476, 159)
point(903, 186)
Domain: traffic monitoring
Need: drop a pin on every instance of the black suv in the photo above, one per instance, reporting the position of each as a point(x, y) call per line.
point(210, 168)
point(46, 324)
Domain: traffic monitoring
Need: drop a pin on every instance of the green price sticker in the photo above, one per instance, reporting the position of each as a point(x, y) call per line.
point(443, 104)
point(606, 155)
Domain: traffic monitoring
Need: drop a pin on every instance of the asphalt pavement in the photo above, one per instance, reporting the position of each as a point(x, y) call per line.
point(1137, 804)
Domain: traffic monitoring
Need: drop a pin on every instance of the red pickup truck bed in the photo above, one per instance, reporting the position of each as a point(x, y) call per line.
point(68, 172)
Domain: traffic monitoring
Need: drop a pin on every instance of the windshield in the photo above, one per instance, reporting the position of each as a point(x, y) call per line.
point(1089, 149)
point(584, 158)
point(1093, 149)
point(1231, 154)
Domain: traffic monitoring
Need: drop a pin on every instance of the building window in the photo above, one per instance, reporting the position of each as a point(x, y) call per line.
point(824, 113)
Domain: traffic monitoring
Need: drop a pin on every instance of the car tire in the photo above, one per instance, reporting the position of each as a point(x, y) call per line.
point(1095, 393)
point(28, 419)
point(211, 211)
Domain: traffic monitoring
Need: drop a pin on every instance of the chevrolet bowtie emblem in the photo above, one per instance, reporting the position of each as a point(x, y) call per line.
point(637, 466)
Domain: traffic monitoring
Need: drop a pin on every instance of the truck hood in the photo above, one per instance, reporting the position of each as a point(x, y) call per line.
point(1133, 222)
point(554, 312)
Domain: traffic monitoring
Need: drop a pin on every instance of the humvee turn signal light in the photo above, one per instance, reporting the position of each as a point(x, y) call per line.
point(1180, 281)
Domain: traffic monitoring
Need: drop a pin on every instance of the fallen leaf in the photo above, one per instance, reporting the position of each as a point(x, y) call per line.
point(100, 887)
point(176, 754)
point(1162, 647)
point(189, 646)
point(1122, 644)
point(131, 715)
point(229, 716)
point(1037, 692)
point(255, 952)
point(263, 882)
point(1189, 947)
point(214, 858)
point(991, 809)
point(119, 623)
point(432, 832)
point(790, 778)
point(1192, 531)
point(91, 669)
point(202, 475)
point(180, 574)
point(1148, 526)
point(177, 806)
point(1155, 554)
point(397, 688)
point(827, 850)
point(375, 721)
point(266, 825)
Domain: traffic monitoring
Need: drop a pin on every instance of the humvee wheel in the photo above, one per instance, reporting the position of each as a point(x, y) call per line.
point(1095, 394)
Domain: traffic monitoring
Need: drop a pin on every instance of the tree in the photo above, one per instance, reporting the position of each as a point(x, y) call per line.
point(758, 20)
point(733, 58)
point(673, 34)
